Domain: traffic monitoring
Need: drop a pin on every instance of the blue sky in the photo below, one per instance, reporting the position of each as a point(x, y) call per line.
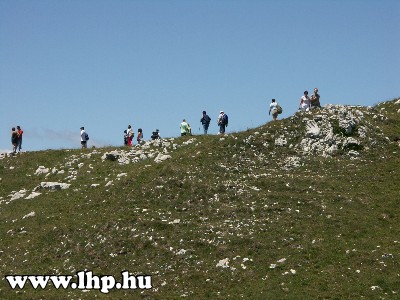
point(106, 64)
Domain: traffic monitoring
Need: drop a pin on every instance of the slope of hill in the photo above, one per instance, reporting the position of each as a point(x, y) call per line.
point(306, 207)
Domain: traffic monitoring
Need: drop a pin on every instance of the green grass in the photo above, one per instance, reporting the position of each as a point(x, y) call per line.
point(334, 221)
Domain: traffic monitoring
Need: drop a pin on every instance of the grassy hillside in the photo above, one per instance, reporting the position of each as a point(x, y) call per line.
point(303, 208)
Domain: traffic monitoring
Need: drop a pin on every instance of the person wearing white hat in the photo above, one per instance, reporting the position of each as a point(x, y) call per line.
point(222, 122)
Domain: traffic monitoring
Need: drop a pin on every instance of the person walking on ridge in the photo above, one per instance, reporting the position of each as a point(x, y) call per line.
point(84, 138)
point(205, 121)
point(273, 108)
point(14, 139)
point(222, 122)
point(184, 128)
point(20, 132)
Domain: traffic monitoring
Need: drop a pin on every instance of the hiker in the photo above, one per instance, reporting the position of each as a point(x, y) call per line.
point(156, 135)
point(305, 102)
point(130, 134)
point(84, 138)
point(185, 128)
point(273, 107)
point(14, 139)
point(315, 100)
point(303, 105)
point(222, 122)
point(205, 121)
point(125, 138)
point(20, 132)
point(140, 136)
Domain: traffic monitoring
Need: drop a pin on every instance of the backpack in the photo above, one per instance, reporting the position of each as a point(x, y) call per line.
point(278, 109)
point(225, 119)
point(86, 136)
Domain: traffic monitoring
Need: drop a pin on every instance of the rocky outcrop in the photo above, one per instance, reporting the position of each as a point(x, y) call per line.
point(334, 128)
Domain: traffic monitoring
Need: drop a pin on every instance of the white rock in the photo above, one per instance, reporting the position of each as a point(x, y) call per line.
point(312, 129)
point(350, 141)
point(54, 185)
point(33, 195)
point(353, 153)
point(161, 157)
point(332, 150)
point(223, 263)
point(31, 214)
point(41, 170)
point(181, 252)
point(17, 195)
point(281, 141)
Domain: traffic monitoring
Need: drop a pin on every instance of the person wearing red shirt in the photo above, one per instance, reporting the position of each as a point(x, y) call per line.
point(19, 132)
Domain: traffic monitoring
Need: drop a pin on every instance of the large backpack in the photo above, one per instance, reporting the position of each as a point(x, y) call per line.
point(225, 119)
point(278, 109)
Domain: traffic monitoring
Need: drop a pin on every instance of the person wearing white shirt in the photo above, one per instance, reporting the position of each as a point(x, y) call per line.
point(130, 134)
point(273, 109)
point(305, 102)
point(222, 122)
point(84, 138)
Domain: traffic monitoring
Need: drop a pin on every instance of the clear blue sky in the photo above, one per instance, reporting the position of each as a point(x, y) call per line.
point(106, 64)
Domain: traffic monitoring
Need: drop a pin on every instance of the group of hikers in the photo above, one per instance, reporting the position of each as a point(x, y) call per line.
point(129, 135)
point(16, 139)
point(306, 103)
point(185, 129)
point(205, 121)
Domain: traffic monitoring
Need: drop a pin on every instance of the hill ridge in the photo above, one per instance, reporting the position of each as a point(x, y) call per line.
point(307, 205)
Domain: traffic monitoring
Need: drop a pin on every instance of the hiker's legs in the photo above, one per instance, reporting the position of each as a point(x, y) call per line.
point(205, 127)
point(222, 129)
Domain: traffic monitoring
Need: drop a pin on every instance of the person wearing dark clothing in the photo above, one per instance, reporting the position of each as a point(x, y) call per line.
point(14, 139)
point(205, 121)
point(156, 135)
point(222, 122)
point(125, 138)
point(315, 99)
point(139, 138)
